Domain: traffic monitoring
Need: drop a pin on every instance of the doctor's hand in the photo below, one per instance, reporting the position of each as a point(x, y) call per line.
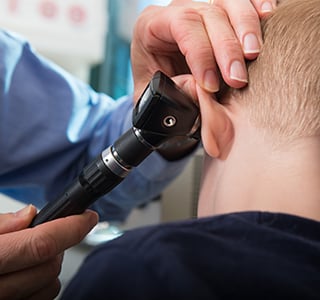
point(206, 40)
point(31, 258)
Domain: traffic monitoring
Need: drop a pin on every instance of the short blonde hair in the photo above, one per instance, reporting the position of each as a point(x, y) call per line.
point(283, 94)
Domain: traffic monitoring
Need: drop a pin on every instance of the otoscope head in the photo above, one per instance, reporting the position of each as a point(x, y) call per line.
point(164, 111)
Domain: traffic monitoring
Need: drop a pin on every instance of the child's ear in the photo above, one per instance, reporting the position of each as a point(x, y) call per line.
point(216, 127)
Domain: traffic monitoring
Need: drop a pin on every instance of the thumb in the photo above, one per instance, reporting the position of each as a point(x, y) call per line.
point(21, 219)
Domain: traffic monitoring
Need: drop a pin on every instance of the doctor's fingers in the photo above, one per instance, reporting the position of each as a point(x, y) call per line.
point(33, 246)
point(238, 35)
point(203, 34)
point(212, 35)
point(245, 17)
point(172, 39)
point(189, 30)
point(234, 31)
point(33, 283)
point(16, 221)
point(264, 7)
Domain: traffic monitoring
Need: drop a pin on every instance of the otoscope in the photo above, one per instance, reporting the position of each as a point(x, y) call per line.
point(163, 112)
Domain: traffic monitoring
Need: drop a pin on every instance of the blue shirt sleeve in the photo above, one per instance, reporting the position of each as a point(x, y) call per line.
point(52, 125)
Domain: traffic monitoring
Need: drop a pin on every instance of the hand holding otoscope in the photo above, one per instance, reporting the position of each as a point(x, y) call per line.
point(162, 113)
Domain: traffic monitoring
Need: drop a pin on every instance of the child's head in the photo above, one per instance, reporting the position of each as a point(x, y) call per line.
point(283, 96)
point(259, 133)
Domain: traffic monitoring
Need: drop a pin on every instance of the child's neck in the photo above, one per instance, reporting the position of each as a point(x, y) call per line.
point(285, 181)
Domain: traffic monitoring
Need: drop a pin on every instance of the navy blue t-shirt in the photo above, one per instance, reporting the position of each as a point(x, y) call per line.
point(250, 255)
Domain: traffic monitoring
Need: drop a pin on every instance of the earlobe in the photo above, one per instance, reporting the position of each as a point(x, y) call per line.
point(217, 129)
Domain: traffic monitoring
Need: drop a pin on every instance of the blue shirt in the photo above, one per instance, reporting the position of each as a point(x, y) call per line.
point(245, 255)
point(52, 125)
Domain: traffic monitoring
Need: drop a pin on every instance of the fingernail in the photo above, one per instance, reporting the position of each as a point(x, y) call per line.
point(251, 44)
point(266, 7)
point(238, 71)
point(210, 81)
point(24, 211)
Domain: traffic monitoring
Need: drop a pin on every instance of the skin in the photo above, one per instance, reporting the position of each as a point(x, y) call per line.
point(31, 258)
point(164, 39)
point(240, 175)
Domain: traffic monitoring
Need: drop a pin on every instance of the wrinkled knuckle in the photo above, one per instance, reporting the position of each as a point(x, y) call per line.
point(143, 21)
point(181, 32)
point(184, 44)
point(231, 45)
point(43, 247)
point(214, 12)
point(203, 53)
point(249, 18)
point(190, 13)
point(186, 15)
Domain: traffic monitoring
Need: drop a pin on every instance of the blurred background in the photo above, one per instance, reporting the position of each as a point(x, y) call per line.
point(91, 40)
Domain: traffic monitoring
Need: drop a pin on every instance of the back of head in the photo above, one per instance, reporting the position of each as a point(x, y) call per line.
point(283, 94)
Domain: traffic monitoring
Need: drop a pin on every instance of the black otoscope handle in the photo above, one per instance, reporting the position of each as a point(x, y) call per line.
point(94, 181)
point(97, 179)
